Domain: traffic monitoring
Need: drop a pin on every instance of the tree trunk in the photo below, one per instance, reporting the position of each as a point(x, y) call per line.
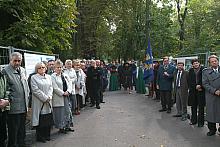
point(181, 20)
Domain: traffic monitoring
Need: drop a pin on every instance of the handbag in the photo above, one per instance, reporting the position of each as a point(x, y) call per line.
point(46, 120)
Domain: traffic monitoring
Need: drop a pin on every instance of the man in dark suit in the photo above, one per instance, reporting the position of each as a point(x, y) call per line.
point(181, 91)
point(196, 97)
point(94, 78)
point(164, 84)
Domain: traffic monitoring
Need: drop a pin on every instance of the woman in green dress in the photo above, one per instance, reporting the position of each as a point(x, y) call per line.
point(140, 81)
point(113, 86)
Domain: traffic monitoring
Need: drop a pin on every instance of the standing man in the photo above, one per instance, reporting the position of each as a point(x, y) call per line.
point(181, 91)
point(18, 97)
point(4, 107)
point(50, 67)
point(94, 78)
point(211, 83)
point(164, 84)
point(196, 93)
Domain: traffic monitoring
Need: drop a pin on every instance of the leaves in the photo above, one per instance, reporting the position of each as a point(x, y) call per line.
point(42, 25)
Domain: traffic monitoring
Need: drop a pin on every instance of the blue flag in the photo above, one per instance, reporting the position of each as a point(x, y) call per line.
point(148, 55)
point(148, 66)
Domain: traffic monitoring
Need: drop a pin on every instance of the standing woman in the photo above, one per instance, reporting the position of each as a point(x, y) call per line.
point(113, 85)
point(42, 91)
point(127, 73)
point(140, 86)
point(61, 90)
point(69, 70)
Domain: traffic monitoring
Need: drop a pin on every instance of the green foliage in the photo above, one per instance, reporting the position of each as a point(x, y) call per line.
point(110, 29)
point(43, 25)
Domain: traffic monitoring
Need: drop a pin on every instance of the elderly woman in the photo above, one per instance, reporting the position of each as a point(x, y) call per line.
point(80, 84)
point(72, 75)
point(42, 91)
point(62, 89)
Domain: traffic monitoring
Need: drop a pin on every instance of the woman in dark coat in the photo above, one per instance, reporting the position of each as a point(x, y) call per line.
point(127, 77)
point(196, 93)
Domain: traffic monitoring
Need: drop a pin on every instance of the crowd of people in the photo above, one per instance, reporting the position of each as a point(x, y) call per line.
point(198, 88)
point(57, 91)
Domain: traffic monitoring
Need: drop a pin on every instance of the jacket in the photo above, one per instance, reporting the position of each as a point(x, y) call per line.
point(18, 89)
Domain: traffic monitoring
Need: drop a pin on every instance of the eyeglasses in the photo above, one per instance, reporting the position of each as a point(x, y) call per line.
point(16, 60)
point(41, 67)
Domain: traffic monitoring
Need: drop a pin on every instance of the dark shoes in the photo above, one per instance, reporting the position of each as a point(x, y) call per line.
point(162, 110)
point(63, 131)
point(210, 133)
point(102, 102)
point(48, 139)
point(177, 115)
point(97, 107)
point(69, 129)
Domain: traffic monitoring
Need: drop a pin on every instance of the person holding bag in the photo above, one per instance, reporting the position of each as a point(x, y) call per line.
point(42, 91)
point(61, 108)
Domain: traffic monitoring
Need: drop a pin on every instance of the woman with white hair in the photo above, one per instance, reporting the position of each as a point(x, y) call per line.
point(62, 89)
point(42, 91)
point(80, 84)
point(69, 70)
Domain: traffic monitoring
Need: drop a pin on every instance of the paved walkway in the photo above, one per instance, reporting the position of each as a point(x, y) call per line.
point(131, 120)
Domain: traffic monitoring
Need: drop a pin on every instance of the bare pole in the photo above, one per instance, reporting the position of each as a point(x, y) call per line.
point(148, 2)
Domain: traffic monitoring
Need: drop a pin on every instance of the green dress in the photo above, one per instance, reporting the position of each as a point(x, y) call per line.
point(113, 85)
point(140, 82)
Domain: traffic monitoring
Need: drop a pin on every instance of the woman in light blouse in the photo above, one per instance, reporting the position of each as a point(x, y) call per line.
point(61, 90)
point(42, 91)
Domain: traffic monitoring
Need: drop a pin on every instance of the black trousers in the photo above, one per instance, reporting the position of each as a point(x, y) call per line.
point(43, 132)
point(79, 101)
point(95, 96)
point(101, 96)
point(157, 92)
point(165, 97)
point(200, 118)
point(3, 129)
point(16, 130)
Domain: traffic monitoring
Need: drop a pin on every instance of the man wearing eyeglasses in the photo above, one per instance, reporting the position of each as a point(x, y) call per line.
point(18, 97)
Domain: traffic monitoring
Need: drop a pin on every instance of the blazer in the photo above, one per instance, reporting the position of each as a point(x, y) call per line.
point(165, 82)
point(18, 89)
point(42, 89)
point(58, 98)
point(183, 83)
point(72, 75)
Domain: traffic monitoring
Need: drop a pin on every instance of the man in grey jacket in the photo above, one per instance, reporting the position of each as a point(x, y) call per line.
point(211, 83)
point(18, 97)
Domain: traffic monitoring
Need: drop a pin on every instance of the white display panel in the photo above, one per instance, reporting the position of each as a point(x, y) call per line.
point(31, 60)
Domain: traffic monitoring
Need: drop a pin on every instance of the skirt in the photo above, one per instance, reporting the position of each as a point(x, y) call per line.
point(62, 115)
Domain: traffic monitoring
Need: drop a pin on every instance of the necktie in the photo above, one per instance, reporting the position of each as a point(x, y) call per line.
point(178, 79)
point(18, 70)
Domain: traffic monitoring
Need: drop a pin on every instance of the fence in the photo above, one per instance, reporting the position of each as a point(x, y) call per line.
point(5, 53)
point(202, 57)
